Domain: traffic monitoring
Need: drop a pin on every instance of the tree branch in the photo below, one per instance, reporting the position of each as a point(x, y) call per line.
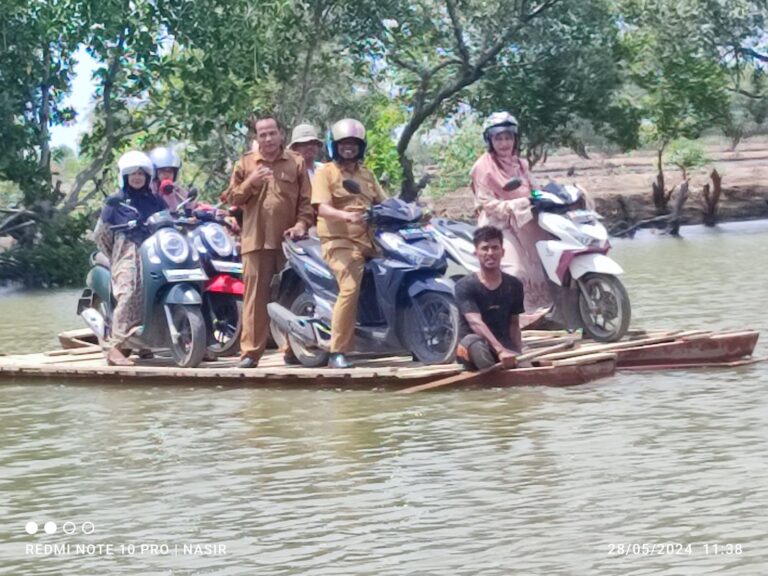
point(747, 94)
point(539, 9)
point(458, 33)
point(753, 54)
point(412, 66)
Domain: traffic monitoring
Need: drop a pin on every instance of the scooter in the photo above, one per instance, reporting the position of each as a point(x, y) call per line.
point(172, 280)
point(406, 306)
point(456, 237)
point(224, 289)
point(587, 292)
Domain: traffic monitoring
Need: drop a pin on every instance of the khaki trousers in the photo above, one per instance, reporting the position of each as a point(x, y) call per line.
point(347, 265)
point(259, 267)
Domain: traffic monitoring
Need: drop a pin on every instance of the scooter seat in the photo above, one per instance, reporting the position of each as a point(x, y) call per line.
point(311, 246)
point(460, 229)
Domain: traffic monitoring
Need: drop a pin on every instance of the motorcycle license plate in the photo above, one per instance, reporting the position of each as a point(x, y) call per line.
point(415, 234)
point(582, 216)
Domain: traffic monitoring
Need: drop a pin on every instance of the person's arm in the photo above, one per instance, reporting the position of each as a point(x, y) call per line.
point(517, 295)
point(306, 214)
point(329, 212)
point(515, 335)
point(476, 324)
point(242, 188)
point(104, 238)
point(322, 198)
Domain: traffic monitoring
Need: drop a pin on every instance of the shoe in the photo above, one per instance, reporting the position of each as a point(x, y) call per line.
point(116, 358)
point(248, 362)
point(338, 361)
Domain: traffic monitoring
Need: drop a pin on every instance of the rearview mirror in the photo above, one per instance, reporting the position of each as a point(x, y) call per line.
point(192, 194)
point(512, 184)
point(113, 201)
point(351, 186)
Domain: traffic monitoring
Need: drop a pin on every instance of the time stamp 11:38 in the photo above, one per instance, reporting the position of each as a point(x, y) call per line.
point(675, 548)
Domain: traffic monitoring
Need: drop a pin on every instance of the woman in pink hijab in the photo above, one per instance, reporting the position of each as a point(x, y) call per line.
point(510, 211)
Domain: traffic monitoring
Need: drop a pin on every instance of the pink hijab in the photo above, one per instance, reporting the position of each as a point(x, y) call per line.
point(489, 174)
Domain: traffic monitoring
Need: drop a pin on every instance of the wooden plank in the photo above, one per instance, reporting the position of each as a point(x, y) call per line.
point(592, 348)
point(74, 351)
point(586, 359)
point(458, 378)
point(683, 366)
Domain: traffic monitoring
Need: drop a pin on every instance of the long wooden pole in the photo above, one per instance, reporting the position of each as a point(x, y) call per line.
point(457, 378)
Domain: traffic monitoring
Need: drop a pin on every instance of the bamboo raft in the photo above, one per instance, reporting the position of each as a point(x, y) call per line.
point(584, 361)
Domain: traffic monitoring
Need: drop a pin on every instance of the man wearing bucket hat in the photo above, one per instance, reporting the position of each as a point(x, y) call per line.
point(306, 143)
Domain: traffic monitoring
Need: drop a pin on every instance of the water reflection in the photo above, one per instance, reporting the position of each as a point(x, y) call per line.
point(530, 481)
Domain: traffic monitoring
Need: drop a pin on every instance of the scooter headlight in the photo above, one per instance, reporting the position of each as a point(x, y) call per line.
point(173, 245)
point(218, 239)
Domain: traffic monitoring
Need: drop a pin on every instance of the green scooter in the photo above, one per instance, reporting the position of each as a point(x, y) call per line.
point(172, 281)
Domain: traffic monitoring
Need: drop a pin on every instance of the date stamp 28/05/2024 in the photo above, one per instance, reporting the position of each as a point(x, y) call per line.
point(675, 549)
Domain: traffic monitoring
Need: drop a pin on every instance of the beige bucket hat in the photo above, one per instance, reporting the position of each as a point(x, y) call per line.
point(304, 133)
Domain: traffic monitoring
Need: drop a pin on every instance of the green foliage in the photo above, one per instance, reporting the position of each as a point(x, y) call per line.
point(686, 154)
point(59, 258)
point(456, 154)
point(683, 88)
point(566, 72)
point(381, 153)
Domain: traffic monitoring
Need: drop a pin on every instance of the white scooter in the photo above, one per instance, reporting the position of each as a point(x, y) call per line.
point(586, 290)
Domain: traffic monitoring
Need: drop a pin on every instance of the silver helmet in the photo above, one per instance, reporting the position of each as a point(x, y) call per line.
point(497, 123)
point(347, 128)
point(165, 157)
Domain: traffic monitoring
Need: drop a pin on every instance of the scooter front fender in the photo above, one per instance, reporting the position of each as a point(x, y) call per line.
point(594, 262)
point(184, 294)
point(432, 284)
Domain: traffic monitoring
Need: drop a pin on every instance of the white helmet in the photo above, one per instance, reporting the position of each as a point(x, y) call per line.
point(133, 161)
point(165, 157)
point(496, 123)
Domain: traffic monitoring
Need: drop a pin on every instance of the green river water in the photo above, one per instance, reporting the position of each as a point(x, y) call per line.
point(640, 474)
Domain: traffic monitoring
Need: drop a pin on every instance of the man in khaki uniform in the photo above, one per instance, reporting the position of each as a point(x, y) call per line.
point(272, 187)
point(344, 236)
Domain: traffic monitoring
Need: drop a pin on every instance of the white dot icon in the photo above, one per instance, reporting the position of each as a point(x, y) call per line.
point(31, 527)
point(50, 527)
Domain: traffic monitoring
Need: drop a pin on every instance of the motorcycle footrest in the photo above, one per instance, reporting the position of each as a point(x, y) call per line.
point(85, 301)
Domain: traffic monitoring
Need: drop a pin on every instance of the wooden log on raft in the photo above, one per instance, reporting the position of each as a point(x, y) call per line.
point(593, 348)
point(469, 375)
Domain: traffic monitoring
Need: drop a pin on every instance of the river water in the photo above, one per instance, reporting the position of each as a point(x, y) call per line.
point(644, 473)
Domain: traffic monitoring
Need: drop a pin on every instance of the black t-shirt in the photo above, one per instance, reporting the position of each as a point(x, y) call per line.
point(494, 306)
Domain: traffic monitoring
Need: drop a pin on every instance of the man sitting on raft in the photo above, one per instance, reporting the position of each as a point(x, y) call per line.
point(490, 303)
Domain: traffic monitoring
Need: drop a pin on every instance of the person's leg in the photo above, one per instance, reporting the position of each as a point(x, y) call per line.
point(347, 265)
point(474, 353)
point(248, 334)
point(127, 291)
point(270, 263)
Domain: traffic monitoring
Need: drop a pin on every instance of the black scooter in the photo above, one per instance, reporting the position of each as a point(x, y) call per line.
point(406, 306)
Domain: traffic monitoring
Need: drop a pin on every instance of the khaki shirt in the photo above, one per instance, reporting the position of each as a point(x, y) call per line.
point(270, 208)
point(327, 189)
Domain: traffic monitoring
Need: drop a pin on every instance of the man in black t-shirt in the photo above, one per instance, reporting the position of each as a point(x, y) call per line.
point(490, 303)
